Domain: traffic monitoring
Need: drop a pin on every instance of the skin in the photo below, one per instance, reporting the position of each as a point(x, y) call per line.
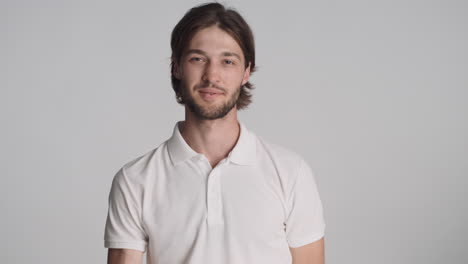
point(124, 256)
point(214, 60)
point(313, 253)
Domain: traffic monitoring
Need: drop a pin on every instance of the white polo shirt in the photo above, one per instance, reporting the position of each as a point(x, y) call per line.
point(250, 208)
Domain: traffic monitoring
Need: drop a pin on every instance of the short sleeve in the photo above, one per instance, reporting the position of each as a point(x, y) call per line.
point(305, 222)
point(124, 228)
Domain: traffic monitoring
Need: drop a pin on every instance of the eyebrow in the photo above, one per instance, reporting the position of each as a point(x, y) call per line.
point(225, 54)
point(230, 54)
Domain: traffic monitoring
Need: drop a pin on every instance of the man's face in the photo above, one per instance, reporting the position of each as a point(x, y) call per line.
point(212, 72)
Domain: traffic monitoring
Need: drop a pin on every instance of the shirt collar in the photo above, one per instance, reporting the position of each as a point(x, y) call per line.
point(243, 153)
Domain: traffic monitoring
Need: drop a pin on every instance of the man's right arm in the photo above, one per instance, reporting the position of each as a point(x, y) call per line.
point(124, 235)
point(124, 256)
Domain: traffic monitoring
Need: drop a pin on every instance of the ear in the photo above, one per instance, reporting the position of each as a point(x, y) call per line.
point(176, 71)
point(246, 77)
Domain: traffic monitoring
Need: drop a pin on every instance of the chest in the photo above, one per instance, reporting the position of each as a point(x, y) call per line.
point(243, 202)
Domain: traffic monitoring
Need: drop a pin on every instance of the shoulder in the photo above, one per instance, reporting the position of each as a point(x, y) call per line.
point(283, 162)
point(278, 153)
point(285, 165)
point(139, 169)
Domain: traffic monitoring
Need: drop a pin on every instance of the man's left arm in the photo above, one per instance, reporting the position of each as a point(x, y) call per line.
point(305, 225)
point(313, 253)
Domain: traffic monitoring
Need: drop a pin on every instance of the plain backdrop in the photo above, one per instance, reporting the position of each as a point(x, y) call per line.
point(372, 93)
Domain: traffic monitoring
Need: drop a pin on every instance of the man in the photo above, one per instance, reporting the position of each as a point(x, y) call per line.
point(214, 192)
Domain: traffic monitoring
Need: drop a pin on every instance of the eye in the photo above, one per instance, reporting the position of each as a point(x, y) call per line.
point(229, 62)
point(196, 59)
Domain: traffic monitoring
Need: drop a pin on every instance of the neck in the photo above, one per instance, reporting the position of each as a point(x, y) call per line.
point(212, 138)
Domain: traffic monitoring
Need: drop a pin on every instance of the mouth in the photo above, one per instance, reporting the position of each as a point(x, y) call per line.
point(209, 94)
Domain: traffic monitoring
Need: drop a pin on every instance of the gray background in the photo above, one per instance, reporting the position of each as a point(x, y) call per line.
point(372, 94)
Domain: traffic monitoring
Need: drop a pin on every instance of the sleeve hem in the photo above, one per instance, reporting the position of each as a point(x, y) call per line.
point(141, 246)
point(306, 240)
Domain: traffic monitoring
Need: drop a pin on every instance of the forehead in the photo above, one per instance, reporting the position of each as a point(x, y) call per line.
point(214, 40)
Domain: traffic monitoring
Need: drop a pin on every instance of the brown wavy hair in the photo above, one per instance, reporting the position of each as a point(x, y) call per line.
point(227, 19)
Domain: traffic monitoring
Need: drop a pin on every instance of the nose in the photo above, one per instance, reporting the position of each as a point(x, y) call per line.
point(211, 73)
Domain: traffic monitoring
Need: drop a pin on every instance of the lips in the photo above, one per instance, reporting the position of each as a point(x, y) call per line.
point(210, 91)
point(210, 94)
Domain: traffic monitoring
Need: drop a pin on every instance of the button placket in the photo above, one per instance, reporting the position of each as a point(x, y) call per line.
point(205, 164)
point(214, 197)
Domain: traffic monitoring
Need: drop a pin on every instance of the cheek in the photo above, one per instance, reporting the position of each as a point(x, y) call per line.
point(235, 76)
point(191, 74)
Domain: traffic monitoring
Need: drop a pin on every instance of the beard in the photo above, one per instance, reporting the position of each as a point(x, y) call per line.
point(208, 112)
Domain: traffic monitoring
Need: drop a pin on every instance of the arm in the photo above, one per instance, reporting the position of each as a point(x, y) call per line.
point(124, 256)
point(313, 253)
point(124, 233)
